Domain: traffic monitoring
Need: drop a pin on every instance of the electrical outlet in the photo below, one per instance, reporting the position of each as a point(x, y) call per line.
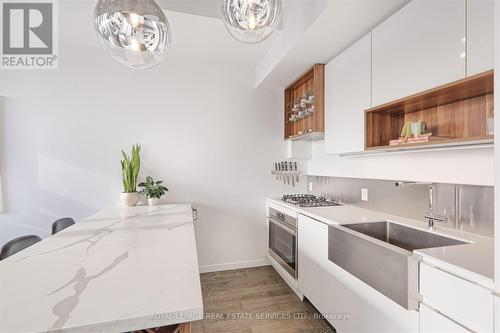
point(310, 187)
point(364, 194)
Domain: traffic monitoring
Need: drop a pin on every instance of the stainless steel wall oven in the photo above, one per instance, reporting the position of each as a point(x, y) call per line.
point(283, 240)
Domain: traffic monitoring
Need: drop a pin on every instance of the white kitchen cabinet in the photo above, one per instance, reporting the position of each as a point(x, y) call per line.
point(480, 36)
point(420, 47)
point(347, 96)
point(349, 304)
point(433, 322)
point(299, 149)
point(467, 303)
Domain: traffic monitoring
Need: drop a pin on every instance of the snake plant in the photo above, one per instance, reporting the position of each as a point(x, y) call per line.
point(130, 169)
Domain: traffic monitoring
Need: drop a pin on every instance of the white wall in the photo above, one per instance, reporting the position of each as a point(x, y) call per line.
point(1, 157)
point(202, 126)
point(497, 167)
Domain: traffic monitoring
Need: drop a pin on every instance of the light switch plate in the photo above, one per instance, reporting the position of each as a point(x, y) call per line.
point(364, 194)
point(310, 187)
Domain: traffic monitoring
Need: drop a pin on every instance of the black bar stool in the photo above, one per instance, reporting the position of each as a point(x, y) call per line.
point(18, 244)
point(61, 224)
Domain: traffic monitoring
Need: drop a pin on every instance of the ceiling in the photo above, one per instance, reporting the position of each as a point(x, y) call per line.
point(205, 39)
point(313, 31)
point(338, 24)
point(208, 8)
point(200, 38)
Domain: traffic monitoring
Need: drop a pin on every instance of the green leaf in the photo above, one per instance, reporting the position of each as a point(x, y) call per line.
point(130, 169)
point(152, 188)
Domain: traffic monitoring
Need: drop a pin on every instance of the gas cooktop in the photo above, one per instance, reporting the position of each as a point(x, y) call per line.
point(308, 200)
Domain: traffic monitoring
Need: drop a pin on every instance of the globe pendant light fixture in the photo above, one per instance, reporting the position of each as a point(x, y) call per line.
point(251, 21)
point(134, 32)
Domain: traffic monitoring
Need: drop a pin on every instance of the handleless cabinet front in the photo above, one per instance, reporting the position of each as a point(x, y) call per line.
point(432, 321)
point(480, 36)
point(462, 301)
point(420, 47)
point(347, 96)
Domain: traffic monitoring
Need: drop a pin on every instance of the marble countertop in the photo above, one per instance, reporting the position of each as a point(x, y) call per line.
point(473, 261)
point(119, 270)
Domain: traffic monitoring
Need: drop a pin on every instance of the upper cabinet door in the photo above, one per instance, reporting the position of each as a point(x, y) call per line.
point(347, 96)
point(480, 36)
point(420, 47)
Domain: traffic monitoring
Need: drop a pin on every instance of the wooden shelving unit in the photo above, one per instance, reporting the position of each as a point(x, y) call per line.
point(304, 106)
point(455, 113)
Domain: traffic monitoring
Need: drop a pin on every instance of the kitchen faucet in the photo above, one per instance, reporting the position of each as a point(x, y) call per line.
point(430, 215)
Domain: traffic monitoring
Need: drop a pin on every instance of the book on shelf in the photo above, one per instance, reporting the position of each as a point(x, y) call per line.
point(421, 139)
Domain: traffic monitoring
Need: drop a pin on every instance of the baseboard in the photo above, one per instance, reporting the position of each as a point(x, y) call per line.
point(234, 265)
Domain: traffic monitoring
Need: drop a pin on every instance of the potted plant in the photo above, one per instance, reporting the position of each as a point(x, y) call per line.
point(153, 190)
point(130, 171)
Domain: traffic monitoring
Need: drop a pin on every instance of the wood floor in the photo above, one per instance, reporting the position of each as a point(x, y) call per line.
point(254, 300)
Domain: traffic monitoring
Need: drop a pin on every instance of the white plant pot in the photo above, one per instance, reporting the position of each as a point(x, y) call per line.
point(153, 201)
point(129, 199)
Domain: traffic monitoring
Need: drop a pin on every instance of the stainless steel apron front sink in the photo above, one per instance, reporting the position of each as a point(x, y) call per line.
point(381, 255)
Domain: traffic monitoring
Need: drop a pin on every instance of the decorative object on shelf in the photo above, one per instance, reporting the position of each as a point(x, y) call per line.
point(288, 171)
point(153, 190)
point(421, 139)
point(130, 171)
point(490, 121)
point(134, 32)
point(491, 125)
point(304, 106)
point(412, 132)
point(455, 112)
point(304, 132)
point(418, 128)
point(406, 131)
point(251, 21)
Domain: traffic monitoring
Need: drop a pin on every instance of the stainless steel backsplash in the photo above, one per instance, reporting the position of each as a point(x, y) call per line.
point(468, 208)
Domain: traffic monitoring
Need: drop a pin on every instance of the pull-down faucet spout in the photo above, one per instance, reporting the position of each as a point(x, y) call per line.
point(430, 215)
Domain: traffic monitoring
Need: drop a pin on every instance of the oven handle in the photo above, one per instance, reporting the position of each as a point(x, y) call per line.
point(282, 226)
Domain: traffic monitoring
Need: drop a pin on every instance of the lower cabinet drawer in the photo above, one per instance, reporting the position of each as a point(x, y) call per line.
point(434, 322)
point(465, 302)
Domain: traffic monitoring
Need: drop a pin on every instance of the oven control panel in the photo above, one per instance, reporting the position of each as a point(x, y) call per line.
point(282, 217)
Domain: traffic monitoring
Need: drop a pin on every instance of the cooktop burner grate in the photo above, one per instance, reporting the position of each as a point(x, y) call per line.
point(308, 200)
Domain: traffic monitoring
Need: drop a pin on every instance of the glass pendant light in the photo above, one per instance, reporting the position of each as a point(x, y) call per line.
point(251, 21)
point(134, 32)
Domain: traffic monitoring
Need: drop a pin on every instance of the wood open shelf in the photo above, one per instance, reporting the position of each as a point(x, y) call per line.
point(312, 125)
point(454, 113)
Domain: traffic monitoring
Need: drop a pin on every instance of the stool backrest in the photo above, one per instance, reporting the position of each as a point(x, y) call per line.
point(18, 244)
point(62, 224)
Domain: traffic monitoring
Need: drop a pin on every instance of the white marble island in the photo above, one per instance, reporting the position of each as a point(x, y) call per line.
point(120, 270)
